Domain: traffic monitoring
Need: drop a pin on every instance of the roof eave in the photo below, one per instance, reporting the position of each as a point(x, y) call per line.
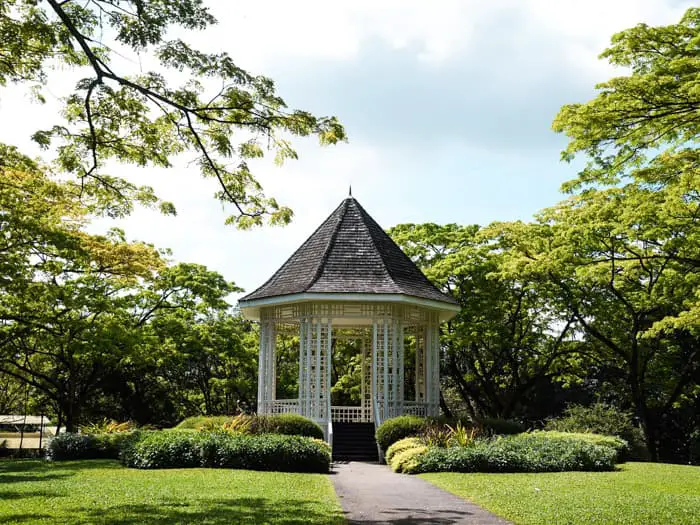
point(251, 308)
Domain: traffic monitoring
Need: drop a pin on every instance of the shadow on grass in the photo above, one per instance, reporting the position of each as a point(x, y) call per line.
point(230, 510)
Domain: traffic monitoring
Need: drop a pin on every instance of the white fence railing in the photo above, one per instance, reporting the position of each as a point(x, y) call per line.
point(280, 406)
point(413, 408)
point(344, 414)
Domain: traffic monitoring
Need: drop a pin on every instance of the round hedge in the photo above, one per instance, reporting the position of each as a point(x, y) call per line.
point(398, 428)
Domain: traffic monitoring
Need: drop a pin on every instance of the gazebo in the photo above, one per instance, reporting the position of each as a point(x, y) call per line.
point(349, 280)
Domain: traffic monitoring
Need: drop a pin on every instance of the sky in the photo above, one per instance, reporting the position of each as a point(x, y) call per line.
point(447, 104)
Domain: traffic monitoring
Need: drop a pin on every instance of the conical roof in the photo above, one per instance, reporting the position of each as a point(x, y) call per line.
point(349, 254)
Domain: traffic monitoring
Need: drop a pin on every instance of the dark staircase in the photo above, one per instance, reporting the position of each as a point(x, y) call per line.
point(354, 442)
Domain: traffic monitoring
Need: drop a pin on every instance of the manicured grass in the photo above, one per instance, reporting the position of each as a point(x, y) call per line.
point(649, 493)
point(102, 491)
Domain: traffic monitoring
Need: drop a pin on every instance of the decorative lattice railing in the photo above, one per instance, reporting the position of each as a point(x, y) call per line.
point(343, 414)
point(420, 409)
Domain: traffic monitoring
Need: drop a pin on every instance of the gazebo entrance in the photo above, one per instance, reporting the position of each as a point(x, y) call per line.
point(382, 330)
point(350, 281)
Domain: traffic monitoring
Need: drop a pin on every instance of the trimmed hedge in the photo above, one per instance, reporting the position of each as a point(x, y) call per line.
point(403, 456)
point(519, 453)
point(70, 446)
point(394, 429)
point(603, 419)
point(287, 424)
point(176, 449)
point(619, 445)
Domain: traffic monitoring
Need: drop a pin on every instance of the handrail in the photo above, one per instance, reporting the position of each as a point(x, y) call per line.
point(377, 423)
point(330, 424)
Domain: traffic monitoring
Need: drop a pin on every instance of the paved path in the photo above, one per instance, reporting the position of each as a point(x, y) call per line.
point(373, 494)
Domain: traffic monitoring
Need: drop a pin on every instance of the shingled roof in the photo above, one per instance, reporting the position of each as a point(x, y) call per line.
point(349, 253)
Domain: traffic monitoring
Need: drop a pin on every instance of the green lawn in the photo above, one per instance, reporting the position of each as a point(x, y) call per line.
point(102, 491)
point(649, 493)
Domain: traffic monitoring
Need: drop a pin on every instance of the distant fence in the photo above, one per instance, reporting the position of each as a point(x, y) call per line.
point(24, 432)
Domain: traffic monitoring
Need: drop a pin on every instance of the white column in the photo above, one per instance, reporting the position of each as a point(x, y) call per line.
point(400, 364)
point(261, 371)
point(385, 401)
point(302, 365)
point(374, 370)
point(309, 366)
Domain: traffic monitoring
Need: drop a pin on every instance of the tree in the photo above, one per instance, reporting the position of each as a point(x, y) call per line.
point(642, 129)
point(140, 117)
point(509, 339)
point(624, 250)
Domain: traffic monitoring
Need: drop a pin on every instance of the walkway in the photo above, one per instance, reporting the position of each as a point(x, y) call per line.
point(373, 494)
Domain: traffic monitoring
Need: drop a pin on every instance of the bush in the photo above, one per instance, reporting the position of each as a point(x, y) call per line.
point(203, 422)
point(287, 424)
point(519, 453)
point(171, 449)
point(176, 449)
point(397, 428)
point(404, 455)
point(501, 427)
point(70, 446)
point(619, 445)
point(602, 419)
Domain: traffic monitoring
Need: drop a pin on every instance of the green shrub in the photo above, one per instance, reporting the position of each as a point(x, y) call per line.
point(165, 450)
point(178, 449)
point(70, 446)
point(401, 445)
point(501, 427)
point(287, 424)
point(519, 453)
point(619, 445)
point(203, 422)
point(403, 456)
point(602, 419)
point(397, 428)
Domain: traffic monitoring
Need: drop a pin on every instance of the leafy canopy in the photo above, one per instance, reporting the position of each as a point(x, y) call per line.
point(217, 111)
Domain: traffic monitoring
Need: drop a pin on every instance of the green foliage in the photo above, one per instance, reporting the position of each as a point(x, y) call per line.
point(219, 113)
point(461, 436)
point(107, 426)
point(605, 420)
point(185, 449)
point(398, 428)
point(69, 446)
point(501, 427)
point(519, 453)
point(287, 424)
point(403, 455)
point(203, 422)
point(500, 347)
point(619, 445)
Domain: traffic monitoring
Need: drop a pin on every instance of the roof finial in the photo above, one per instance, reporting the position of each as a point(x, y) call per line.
point(350, 191)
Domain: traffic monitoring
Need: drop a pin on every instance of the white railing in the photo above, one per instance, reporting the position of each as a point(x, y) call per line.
point(344, 414)
point(280, 406)
point(329, 428)
point(413, 408)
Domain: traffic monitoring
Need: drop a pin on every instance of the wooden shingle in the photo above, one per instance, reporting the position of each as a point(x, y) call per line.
point(349, 253)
